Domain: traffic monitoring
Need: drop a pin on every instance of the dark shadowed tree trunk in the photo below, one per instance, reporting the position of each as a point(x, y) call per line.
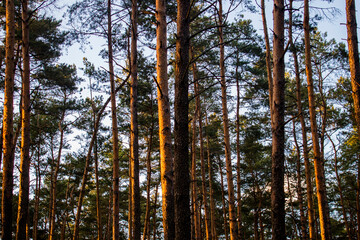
point(277, 125)
point(181, 132)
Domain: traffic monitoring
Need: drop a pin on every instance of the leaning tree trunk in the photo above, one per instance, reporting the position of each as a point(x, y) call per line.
point(229, 175)
point(181, 132)
point(277, 107)
point(318, 161)
point(23, 205)
point(8, 150)
point(166, 159)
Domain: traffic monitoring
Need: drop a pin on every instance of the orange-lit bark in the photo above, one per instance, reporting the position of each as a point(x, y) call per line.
point(318, 161)
point(8, 150)
point(166, 159)
point(23, 205)
point(229, 175)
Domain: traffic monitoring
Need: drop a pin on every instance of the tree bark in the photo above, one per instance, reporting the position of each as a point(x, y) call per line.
point(8, 150)
point(277, 125)
point(134, 132)
point(318, 161)
point(181, 132)
point(229, 175)
point(352, 40)
point(210, 172)
point(23, 205)
point(166, 159)
point(223, 200)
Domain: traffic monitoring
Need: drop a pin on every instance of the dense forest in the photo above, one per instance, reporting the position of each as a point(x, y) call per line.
point(193, 125)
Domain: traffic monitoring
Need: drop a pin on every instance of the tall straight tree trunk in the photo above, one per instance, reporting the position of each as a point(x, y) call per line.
point(277, 107)
point(146, 234)
point(154, 213)
point(229, 175)
point(23, 205)
point(194, 186)
point(210, 172)
point(37, 199)
point(223, 200)
point(166, 159)
point(318, 161)
point(115, 223)
point(134, 132)
point(202, 160)
point(56, 172)
point(299, 185)
point(96, 160)
point(354, 63)
point(309, 188)
point(8, 150)
point(181, 132)
point(339, 182)
point(238, 166)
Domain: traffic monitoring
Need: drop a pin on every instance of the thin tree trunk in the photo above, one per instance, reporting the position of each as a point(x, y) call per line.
point(134, 132)
point(194, 187)
point(268, 53)
point(340, 188)
point(229, 175)
point(277, 125)
point(223, 200)
point(318, 161)
point(65, 214)
point(309, 188)
point(210, 172)
point(181, 132)
point(166, 159)
point(238, 169)
point(23, 205)
point(154, 216)
point(8, 150)
point(115, 223)
point(56, 171)
point(98, 209)
point(299, 187)
point(37, 198)
point(202, 160)
point(148, 181)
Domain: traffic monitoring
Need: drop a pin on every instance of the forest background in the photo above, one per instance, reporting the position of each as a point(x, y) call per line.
point(99, 166)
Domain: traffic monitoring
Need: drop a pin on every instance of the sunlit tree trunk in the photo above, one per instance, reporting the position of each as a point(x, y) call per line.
point(166, 159)
point(354, 63)
point(211, 190)
point(229, 175)
point(23, 205)
point(318, 162)
point(8, 150)
point(181, 132)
